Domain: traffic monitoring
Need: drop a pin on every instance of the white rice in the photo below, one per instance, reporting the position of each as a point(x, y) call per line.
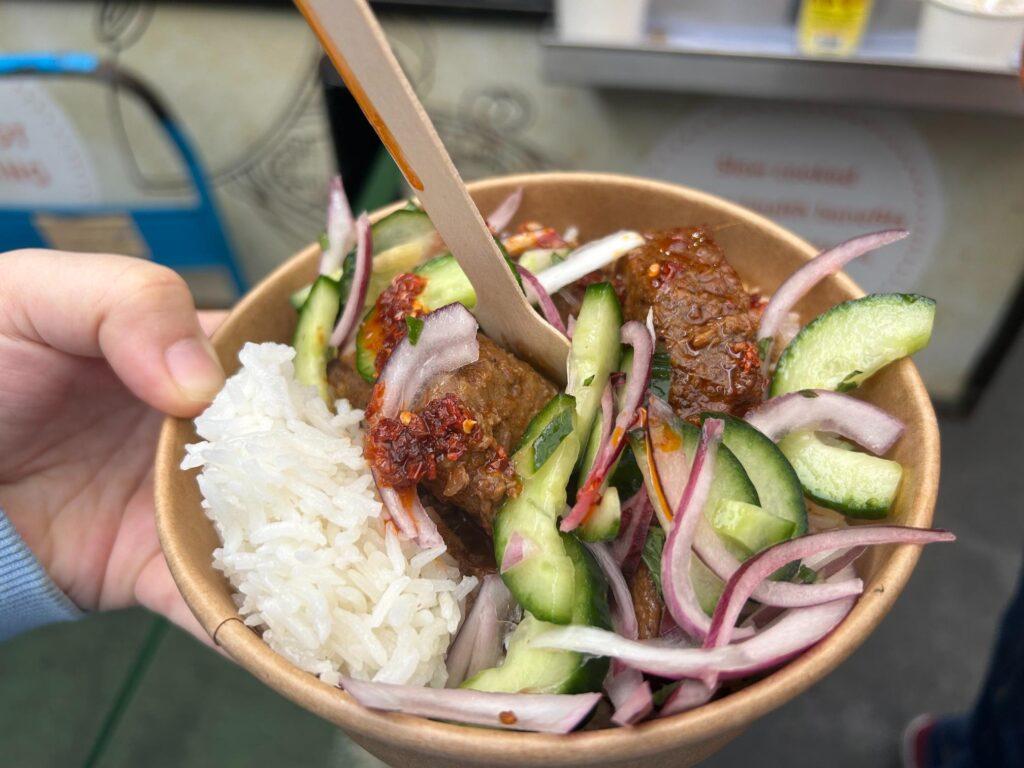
point(332, 588)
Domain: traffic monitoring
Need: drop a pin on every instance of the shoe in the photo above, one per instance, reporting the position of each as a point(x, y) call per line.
point(915, 744)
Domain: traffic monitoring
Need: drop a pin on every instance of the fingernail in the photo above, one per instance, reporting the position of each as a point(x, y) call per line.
point(195, 369)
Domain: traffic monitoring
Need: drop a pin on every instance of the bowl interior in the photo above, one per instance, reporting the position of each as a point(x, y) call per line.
point(764, 254)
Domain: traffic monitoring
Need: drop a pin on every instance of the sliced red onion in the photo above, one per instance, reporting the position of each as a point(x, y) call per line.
point(570, 326)
point(589, 258)
point(502, 215)
point(624, 614)
point(652, 479)
point(689, 694)
point(810, 274)
point(447, 342)
point(536, 294)
point(478, 644)
point(669, 479)
point(677, 588)
point(547, 713)
point(758, 568)
point(517, 549)
point(788, 329)
point(794, 632)
point(630, 694)
point(340, 235)
point(360, 280)
point(782, 594)
point(637, 336)
point(827, 565)
point(636, 520)
point(827, 411)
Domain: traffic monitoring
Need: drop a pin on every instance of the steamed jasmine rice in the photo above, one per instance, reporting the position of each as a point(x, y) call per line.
point(304, 544)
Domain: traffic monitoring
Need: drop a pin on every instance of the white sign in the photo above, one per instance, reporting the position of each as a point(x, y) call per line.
point(826, 174)
point(43, 160)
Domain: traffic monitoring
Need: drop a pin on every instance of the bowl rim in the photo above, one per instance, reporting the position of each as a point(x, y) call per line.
point(718, 719)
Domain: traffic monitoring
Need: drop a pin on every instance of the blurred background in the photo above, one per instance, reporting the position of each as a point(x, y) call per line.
point(202, 135)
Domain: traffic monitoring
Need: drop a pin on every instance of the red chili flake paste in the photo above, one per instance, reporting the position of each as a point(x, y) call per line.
point(508, 717)
point(530, 235)
point(406, 450)
point(386, 326)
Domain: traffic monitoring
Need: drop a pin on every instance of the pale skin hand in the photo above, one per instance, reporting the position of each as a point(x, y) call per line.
point(94, 349)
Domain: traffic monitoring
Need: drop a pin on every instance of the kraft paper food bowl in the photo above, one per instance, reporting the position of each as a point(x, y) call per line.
point(764, 254)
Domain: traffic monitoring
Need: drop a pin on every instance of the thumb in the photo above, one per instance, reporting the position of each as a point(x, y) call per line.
point(138, 315)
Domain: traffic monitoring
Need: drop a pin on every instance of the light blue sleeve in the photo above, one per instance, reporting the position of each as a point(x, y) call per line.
point(28, 597)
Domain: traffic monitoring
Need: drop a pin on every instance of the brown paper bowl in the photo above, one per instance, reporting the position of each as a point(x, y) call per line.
point(764, 254)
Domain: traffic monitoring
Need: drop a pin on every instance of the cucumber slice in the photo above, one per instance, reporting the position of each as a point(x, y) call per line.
point(603, 523)
point(403, 226)
point(707, 586)
point(401, 240)
point(313, 333)
point(845, 345)
point(748, 527)
point(446, 283)
point(539, 259)
point(595, 353)
point(778, 487)
point(537, 670)
point(545, 432)
point(545, 583)
point(854, 483)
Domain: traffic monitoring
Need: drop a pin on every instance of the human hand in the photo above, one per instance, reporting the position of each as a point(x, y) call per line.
point(94, 349)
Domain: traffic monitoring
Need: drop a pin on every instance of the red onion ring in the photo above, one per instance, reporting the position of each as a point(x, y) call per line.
point(781, 594)
point(794, 632)
point(689, 694)
point(517, 549)
point(535, 292)
point(548, 713)
point(638, 337)
point(630, 694)
point(636, 520)
point(339, 228)
point(502, 215)
point(680, 597)
point(810, 274)
point(478, 644)
point(758, 568)
point(360, 280)
point(446, 343)
point(827, 411)
point(829, 566)
point(624, 614)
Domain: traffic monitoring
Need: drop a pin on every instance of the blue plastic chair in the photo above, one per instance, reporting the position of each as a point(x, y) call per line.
point(181, 236)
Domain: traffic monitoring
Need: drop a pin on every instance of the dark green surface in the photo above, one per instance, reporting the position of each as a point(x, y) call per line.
point(59, 684)
point(193, 707)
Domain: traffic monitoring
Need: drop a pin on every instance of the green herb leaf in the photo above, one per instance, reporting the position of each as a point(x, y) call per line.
point(589, 380)
point(805, 575)
point(661, 695)
point(551, 437)
point(810, 393)
point(848, 382)
point(661, 374)
point(651, 554)
point(415, 326)
point(626, 477)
